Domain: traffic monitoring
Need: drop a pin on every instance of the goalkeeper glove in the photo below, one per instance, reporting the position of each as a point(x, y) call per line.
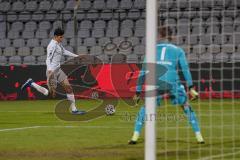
point(136, 98)
point(194, 94)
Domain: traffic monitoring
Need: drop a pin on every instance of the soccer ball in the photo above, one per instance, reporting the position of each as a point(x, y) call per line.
point(110, 109)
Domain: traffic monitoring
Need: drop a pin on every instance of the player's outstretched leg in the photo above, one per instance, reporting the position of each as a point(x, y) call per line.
point(138, 125)
point(31, 83)
point(192, 118)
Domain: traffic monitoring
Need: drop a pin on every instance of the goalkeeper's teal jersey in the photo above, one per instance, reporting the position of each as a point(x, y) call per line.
point(171, 58)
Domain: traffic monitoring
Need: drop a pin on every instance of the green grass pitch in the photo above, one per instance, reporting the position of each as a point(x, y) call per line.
point(30, 130)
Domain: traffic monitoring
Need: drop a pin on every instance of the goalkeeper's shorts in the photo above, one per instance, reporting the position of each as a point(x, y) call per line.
point(178, 95)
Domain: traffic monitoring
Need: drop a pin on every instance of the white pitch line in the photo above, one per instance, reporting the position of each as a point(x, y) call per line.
point(219, 156)
point(94, 127)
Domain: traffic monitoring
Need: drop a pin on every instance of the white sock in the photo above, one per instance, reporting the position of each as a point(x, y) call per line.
point(71, 98)
point(40, 88)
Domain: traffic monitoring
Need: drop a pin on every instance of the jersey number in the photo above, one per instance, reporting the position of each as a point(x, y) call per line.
point(163, 53)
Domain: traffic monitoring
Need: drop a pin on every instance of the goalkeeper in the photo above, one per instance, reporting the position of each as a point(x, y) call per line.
point(169, 57)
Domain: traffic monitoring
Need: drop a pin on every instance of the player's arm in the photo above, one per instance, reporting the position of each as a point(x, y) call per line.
point(68, 53)
point(187, 75)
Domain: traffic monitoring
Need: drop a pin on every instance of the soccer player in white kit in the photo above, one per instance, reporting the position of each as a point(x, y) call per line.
point(54, 74)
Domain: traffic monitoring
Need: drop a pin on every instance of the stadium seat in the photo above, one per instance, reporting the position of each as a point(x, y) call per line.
point(58, 5)
point(5, 6)
point(139, 4)
point(99, 24)
point(18, 43)
point(45, 5)
point(193, 40)
point(119, 58)
point(92, 15)
point(86, 24)
point(221, 57)
point(38, 51)
point(217, 39)
point(91, 41)
point(199, 49)
point(134, 14)
point(236, 38)
point(125, 48)
point(113, 24)
point(31, 26)
point(23, 51)
point(126, 32)
point(139, 32)
point(15, 60)
point(83, 33)
point(5, 43)
point(72, 42)
point(132, 58)
point(11, 17)
point(112, 4)
point(31, 6)
point(3, 60)
point(126, 4)
point(140, 23)
point(41, 59)
point(103, 41)
point(32, 43)
point(70, 5)
point(30, 60)
point(98, 33)
point(228, 48)
point(45, 42)
point(57, 24)
point(99, 5)
point(67, 15)
point(214, 48)
point(118, 40)
point(139, 50)
point(106, 15)
point(2, 35)
point(205, 39)
point(26, 34)
point(227, 29)
point(3, 26)
point(82, 50)
point(17, 26)
point(192, 57)
point(37, 16)
point(85, 5)
point(41, 34)
point(104, 58)
point(112, 32)
point(206, 58)
point(13, 34)
point(127, 23)
point(51, 16)
point(133, 40)
point(18, 6)
point(24, 16)
point(110, 49)
point(96, 50)
point(235, 57)
point(69, 33)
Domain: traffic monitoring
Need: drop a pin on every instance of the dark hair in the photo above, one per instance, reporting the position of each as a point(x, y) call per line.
point(58, 32)
point(165, 32)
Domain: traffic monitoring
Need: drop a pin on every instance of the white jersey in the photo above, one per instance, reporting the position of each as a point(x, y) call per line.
point(55, 51)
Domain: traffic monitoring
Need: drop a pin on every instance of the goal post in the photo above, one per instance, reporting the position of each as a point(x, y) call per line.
point(150, 100)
